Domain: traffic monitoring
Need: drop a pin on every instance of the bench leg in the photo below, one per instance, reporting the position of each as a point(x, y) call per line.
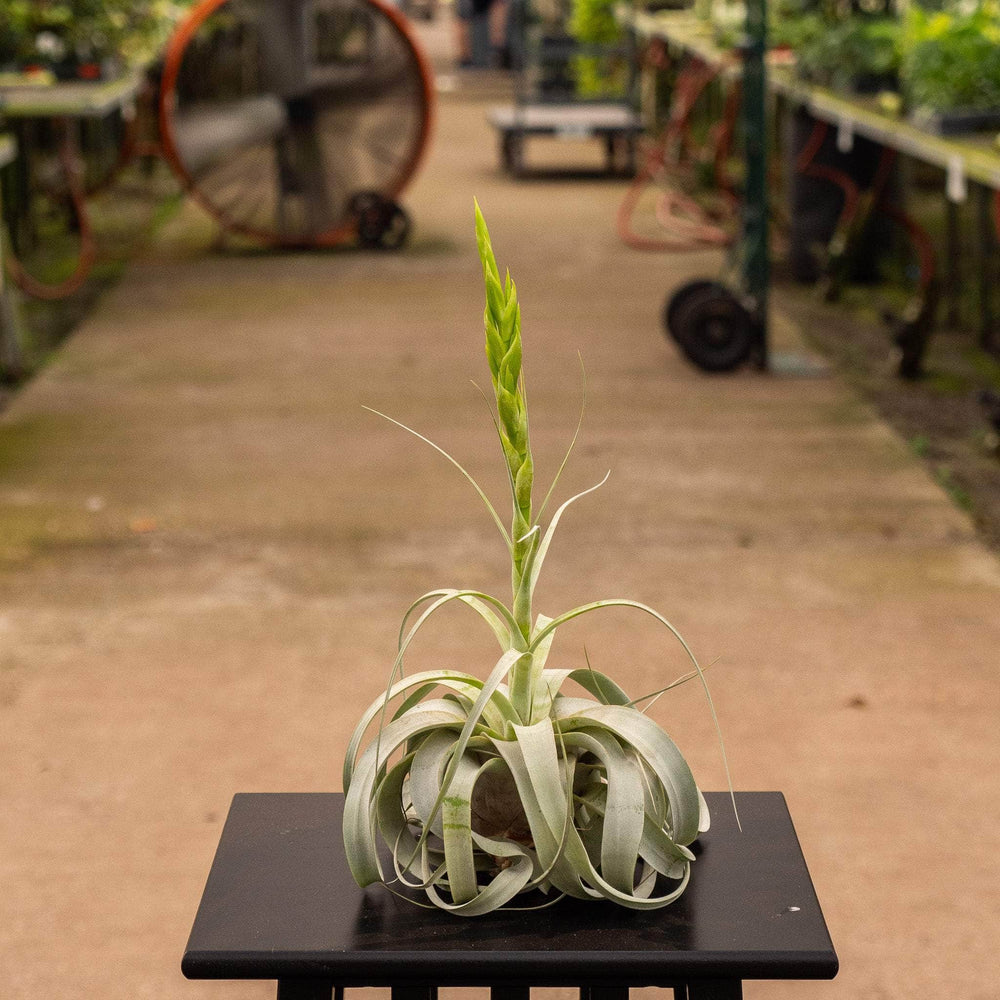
point(603, 993)
point(306, 989)
point(414, 993)
point(510, 993)
point(987, 266)
point(954, 266)
point(710, 989)
point(11, 355)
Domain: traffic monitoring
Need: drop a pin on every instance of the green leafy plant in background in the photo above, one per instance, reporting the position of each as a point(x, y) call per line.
point(728, 19)
point(131, 31)
point(482, 790)
point(793, 23)
point(951, 58)
point(851, 53)
point(593, 23)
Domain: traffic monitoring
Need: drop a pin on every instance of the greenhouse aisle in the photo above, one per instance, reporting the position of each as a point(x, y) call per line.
point(207, 544)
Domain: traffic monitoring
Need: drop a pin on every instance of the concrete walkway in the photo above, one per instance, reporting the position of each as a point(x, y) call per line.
point(206, 545)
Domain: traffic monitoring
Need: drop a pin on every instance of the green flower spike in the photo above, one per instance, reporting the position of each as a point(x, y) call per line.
point(502, 319)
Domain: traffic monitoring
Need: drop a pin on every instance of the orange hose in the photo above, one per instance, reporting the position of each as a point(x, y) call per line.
point(675, 211)
point(804, 165)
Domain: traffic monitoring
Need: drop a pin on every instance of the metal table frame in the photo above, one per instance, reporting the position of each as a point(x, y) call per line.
point(68, 105)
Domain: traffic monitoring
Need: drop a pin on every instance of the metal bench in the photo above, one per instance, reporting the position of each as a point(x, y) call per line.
point(618, 126)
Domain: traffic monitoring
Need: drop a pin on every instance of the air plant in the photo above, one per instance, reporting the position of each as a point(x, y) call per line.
point(483, 790)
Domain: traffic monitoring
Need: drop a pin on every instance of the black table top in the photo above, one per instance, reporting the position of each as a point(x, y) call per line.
point(280, 903)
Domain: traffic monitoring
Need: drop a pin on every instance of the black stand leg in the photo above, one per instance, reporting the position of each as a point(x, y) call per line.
point(305, 989)
point(987, 249)
point(510, 993)
point(954, 277)
point(715, 989)
point(414, 993)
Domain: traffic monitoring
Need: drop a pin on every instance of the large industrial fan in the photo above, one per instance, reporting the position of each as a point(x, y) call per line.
point(297, 122)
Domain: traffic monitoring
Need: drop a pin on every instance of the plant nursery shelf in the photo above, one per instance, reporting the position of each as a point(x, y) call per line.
point(280, 904)
point(68, 100)
point(975, 158)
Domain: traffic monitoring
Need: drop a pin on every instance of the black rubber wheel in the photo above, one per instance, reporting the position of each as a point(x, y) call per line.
point(678, 298)
point(395, 229)
point(714, 330)
point(381, 223)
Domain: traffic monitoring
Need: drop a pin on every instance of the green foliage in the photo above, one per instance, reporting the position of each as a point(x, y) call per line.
point(131, 30)
point(791, 27)
point(952, 58)
point(729, 20)
point(790, 23)
point(946, 60)
point(484, 790)
point(593, 22)
point(848, 51)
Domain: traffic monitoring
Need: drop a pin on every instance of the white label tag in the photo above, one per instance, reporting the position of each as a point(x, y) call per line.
point(955, 186)
point(845, 135)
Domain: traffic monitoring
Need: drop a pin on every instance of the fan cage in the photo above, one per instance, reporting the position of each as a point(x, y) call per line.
point(234, 98)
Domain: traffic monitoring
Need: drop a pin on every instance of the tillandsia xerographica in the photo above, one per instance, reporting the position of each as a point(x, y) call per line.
point(483, 790)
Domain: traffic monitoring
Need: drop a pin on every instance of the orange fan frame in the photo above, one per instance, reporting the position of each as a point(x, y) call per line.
point(344, 230)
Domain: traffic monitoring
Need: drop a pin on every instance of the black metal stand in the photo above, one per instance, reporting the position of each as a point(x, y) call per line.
point(280, 904)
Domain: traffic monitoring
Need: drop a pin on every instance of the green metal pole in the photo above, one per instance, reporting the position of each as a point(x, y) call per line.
point(756, 255)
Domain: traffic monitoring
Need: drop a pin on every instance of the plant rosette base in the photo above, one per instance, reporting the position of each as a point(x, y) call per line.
point(534, 779)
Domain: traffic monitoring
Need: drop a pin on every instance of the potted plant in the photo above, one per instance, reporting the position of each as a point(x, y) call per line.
point(599, 74)
point(483, 790)
point(859, 54)
point(951, 67)
point(85, 39)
